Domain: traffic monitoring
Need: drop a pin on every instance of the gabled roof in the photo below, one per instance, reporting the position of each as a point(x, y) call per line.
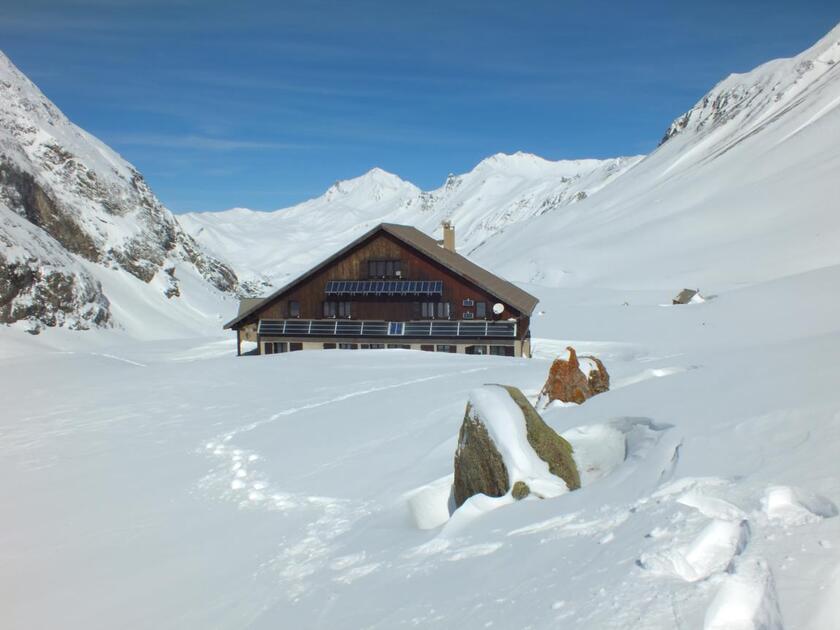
point(505, 291)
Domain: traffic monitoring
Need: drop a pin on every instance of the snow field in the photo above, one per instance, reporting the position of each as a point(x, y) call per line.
point(273, 484)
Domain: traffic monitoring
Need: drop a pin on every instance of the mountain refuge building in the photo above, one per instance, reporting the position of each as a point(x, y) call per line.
point(393, 287)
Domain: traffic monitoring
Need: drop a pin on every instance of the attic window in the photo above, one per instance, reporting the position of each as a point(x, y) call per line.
point(384, 269)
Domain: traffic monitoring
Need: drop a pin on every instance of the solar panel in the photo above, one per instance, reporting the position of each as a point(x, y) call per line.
point(384, 287)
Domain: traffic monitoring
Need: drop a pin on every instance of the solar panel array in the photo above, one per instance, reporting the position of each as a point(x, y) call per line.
point(384, 287)
point(358, 328)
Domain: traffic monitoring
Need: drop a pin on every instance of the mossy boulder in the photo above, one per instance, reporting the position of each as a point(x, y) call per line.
point(480, 466)
point(553, 449)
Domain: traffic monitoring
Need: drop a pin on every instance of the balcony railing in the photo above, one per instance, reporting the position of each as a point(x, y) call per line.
point(371, 328)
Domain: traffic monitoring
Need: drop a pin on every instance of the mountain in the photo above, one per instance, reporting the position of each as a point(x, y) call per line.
point(500, 191)
point(740, 190)
point(77, 218)
point(743, 189)
point(266, 247)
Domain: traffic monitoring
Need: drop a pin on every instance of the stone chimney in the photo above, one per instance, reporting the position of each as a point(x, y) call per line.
point(448, 236)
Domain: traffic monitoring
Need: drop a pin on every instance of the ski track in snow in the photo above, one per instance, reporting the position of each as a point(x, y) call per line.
point(373, 390)
point(239, 480)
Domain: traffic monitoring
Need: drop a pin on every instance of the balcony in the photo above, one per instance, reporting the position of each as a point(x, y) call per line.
point(371, 328)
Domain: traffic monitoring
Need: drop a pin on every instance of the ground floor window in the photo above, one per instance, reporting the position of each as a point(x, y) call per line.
point(476, 350)
point(427, 348)
point(502, 351)
point(373, 346)
point(329, 346)
point(275, 347)
point(348, 346)
point(446, 348)
point(399, 346)
point(294, 347)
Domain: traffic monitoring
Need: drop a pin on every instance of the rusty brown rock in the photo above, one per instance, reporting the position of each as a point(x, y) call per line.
point(567, 382)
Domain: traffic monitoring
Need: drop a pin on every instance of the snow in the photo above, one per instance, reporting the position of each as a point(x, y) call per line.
point(247, 492)
point(175, 485)
point(500, 191)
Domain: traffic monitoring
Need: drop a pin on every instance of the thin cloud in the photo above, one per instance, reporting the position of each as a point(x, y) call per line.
point(204, 143)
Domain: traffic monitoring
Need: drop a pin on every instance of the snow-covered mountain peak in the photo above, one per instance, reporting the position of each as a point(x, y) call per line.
point(754, 99)
point(377, 184)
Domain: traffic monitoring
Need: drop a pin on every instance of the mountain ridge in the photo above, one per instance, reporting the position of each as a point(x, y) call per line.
point(74, 197)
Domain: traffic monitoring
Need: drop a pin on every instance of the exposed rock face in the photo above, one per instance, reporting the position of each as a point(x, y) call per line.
point(66, 200)
point(568, 382)
point(480, 467)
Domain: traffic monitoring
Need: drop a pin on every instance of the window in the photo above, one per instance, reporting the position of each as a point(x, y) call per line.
point(432, 310)
point(476, 350)
point(348, 346)
point(275, 347)
point(395, 328)
point(501, 351)
point(446, 348)
point(329, 346)
point(295, 346)
point(373, 346)
point(481, 310)
point(384, 268)
point(337, 309)
point(468, 315)
point(399, 346)
point(467, 302)
point(294, 308)
point(427, 348)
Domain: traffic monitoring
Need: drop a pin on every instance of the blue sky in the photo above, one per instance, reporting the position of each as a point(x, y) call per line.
point(264, 104)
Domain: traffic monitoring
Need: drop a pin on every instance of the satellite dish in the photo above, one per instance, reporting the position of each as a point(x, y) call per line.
point(498, 308)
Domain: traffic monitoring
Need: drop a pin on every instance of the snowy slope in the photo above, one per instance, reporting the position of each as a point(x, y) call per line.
point(267, 248)
point(743, 189)
point(72, 211)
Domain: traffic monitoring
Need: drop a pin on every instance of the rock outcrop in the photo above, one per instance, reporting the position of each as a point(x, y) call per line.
point(504, 446)
point(569, 380)
point(73, 211)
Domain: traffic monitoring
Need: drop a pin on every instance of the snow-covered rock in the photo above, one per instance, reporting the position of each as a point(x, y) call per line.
point(504, 446)
point(68, 200)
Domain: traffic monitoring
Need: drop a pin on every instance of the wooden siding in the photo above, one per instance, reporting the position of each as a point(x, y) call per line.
point(353, 266)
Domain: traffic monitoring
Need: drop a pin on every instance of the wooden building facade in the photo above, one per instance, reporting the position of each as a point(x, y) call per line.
point(394, 287)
